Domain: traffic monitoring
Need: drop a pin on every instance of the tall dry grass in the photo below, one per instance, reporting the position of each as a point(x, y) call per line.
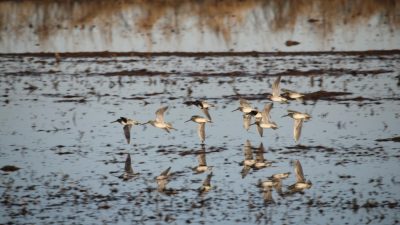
point(46, 17)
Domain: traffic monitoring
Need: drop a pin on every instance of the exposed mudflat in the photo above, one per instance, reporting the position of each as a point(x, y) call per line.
point(61, 158)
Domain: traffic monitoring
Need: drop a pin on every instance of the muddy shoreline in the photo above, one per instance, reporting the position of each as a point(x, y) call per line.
point(201, 54)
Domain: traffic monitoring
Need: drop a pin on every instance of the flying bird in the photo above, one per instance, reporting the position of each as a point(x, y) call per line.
point(201, 127)
point(159, 121)
point(203, 105)
point(244, 107)
point(127, 126)
point(271, 183)
point(280, 176)
point(298, 115)
point(292, 94)
point(246, 121)
point(265, 121)
point(276, 92)
point(298, 118)
point(298, 124)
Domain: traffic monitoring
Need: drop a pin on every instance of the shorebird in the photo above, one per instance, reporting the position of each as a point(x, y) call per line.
point(164, 175)
point(246, 121)
point(292, 94)
point(299, 118)
point(298, 115)
point(128, 123)
point(203, 105)
point(128, 171)
point(202, 167)
point(247, 118)
point(255, 113)
point(162, 180)
point(265, 122)
point(301, 182)
point(258, 117)
point(159, 121)
point(271, 183)
point(298, 124)
point(276, 92)
point(248, 161)
point(280, 176)
point(248, 112)
point(162, 185)
point(206, 186)
point(244, 107)
point(261, 162)
point(201, 127)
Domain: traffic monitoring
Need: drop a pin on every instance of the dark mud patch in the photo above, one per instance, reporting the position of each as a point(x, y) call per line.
point(290, 43)
point(9, 168)
point(82, 100)
point(207, 151)
point(141, 72)
point(344, 155)
point(331, 72)
point(236, 73)
point(54, 130)
point(318, 95)
point(169, 149)
point(303, 149)
point(64, 153)
point(134, 98)
point(345, 176)
point(352, 204)
point(358, 99)
point(67, 150)
point(66, 98)
point(364, 101)
point(222, 74)
point(394, 139)
point(31, 88)
point(201, 54)
point(24, 73)
point(325, 95)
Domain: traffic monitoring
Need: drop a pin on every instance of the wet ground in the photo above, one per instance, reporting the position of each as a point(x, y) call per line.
point(60, 156)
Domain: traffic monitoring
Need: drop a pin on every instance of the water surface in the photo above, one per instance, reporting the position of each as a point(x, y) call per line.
point(55, 126)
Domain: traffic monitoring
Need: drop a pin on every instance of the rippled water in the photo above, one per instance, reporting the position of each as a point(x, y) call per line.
point(55, 126)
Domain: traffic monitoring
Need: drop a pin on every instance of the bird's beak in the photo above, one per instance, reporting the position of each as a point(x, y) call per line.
point(114, 121)
point(235, 110)
point(187, 120)
point(144, 123)
point(285, 115)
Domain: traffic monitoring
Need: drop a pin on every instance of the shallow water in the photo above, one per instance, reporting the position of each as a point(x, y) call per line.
point(55, 126)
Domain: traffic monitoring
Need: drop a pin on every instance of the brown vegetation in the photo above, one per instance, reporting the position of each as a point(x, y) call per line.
point(46, 17)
